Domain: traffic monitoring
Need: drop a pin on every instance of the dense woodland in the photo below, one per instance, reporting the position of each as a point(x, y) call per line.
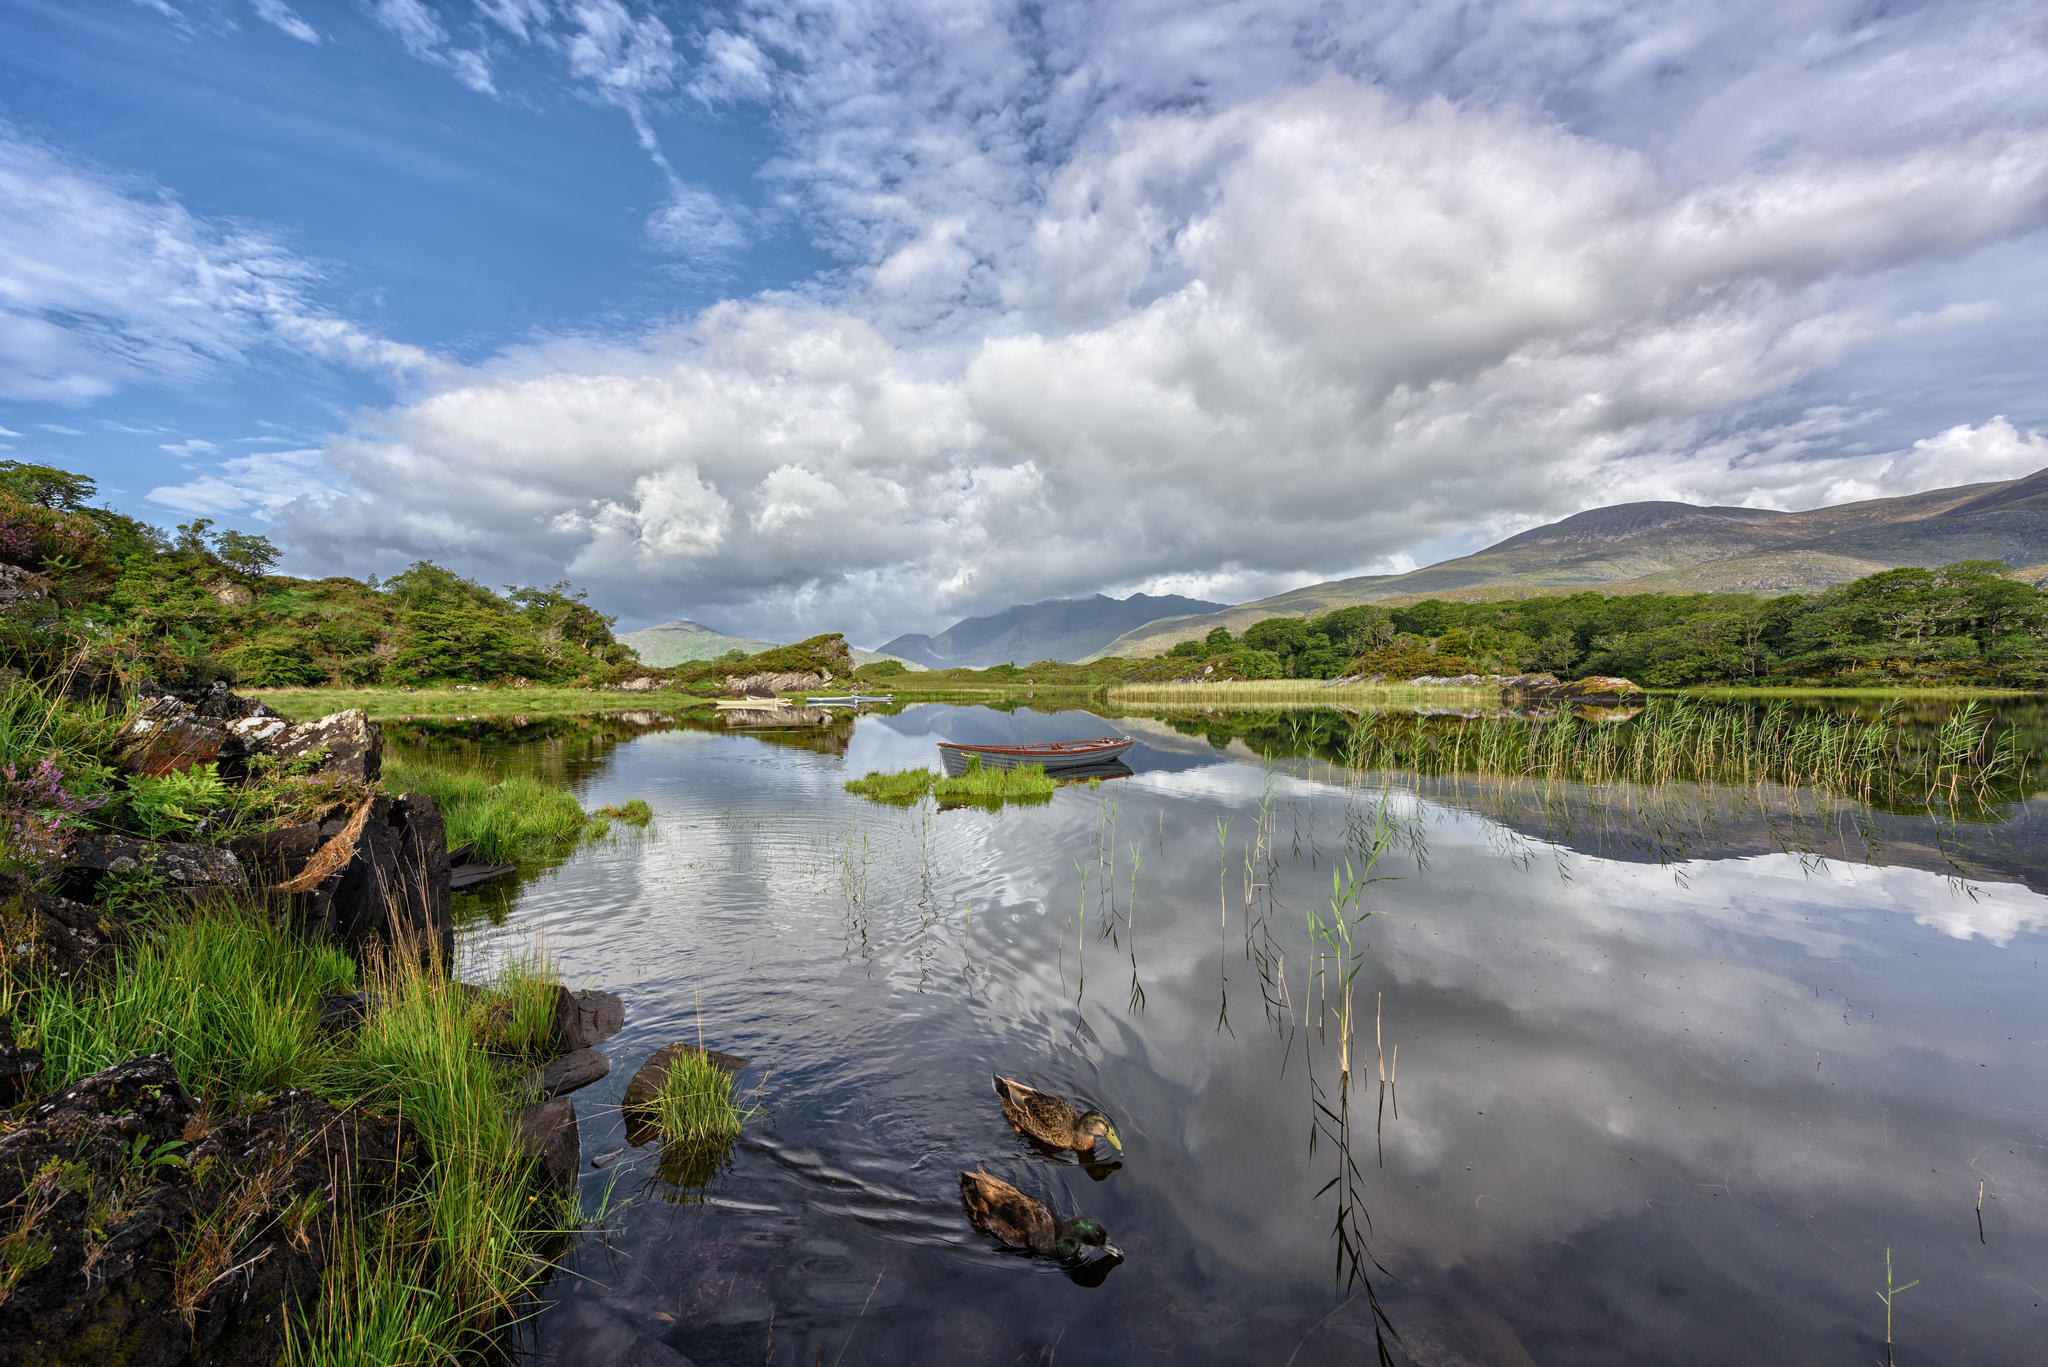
point(1960, 624)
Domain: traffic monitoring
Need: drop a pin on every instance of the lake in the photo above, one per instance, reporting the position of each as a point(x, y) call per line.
point(1675, 1067)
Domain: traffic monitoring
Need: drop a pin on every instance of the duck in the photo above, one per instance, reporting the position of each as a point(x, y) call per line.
point(1021, 1222)
point(1052, 1120)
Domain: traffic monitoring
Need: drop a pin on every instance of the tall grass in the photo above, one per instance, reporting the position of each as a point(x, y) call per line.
point(230, 997)
point(977, 787)
point(695, 1104)
point(904, 788)
point(1878, 761)
point(1312, 692)
point(509, 820)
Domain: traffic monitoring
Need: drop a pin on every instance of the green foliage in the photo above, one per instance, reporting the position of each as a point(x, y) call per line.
point(991, 788)
point(634, 812)
point(516, 1016)
point(695, 1105)
point(902, 789)
point(515, 820)
point(878, 670)
point(245, 554)
point(46, 485)
point(175, 802)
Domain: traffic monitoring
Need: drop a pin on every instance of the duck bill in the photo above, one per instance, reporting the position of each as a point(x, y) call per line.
point(1112, 1253)
point(1110, 1135)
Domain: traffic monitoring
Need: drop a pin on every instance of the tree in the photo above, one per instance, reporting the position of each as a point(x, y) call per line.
point(194, 537)
point(46, 485)
point(245, 554)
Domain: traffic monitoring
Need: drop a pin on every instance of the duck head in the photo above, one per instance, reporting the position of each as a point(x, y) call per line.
point(1096, 1123)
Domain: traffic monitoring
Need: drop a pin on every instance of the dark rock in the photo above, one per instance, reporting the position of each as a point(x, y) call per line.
point(209, 698)
point(462, 876)
point(20, 590)
point(129, 1182)
point(654, 1072)
point(382, 878)
point(341, 1012)
point(584, 1019)
point(548, 1132)
point(1596, 691)
point(18, 1065)
point(280, 854)
point(53, 935)
point(462, 854)
point(352, 744)
point(1529, 683)
point(569, 1073)
point(183, 868)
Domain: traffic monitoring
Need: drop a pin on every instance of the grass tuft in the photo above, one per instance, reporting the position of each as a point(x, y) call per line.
point(633, 813)
point(977, 787)
point(511, 820)
point(903, 789)
point(695, 1105)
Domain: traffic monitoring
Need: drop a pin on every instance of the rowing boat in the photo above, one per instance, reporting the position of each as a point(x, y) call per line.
point(1052, 755)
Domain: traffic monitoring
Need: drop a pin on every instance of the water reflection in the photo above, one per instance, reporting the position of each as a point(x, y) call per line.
point(1659, 1055)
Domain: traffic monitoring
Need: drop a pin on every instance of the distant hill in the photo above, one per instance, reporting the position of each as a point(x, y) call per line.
point(1058, 629)
point(679, 642)
point(1680, 548)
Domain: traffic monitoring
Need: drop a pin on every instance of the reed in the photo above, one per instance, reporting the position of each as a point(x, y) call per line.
point(1310, 692)
point(696, 1105)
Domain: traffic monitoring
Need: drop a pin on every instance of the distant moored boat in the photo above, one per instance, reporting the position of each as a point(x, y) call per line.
point(1053, 755)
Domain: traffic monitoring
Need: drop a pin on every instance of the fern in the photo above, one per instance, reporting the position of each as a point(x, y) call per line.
point(175, 802)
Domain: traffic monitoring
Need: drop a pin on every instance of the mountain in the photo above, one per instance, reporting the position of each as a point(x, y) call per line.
point(1057, 629)
point(1680, 548)
point(674, 643)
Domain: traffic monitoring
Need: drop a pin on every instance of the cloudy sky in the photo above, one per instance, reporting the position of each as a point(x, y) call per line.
point(794, 315)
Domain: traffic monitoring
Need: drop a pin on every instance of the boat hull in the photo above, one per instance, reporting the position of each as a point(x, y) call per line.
point(1055, 758)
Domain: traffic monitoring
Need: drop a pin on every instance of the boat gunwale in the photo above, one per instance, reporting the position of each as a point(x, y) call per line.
point(1058, 747)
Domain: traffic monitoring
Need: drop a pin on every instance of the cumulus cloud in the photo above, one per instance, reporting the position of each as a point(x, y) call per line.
point(1299, 334)
point(254, 485)
point(105, 282)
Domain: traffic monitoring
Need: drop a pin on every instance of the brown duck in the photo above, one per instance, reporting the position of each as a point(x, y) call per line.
point(1017, 1220)
point(1051, 1120)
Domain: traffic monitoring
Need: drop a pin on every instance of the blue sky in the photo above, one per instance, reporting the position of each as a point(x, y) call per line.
point(794, 316)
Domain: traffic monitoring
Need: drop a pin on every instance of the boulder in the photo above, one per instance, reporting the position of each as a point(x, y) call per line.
point(1597, 691)
point(584, 1019)
point(53, 935)
point(653, 1073)
point(128, 1178)
point(20, 590)
point(212, 700)
point(571, 1072)
point(182, 868)
point(381, 878)
point(352, 744)
point(776, 683)
point(548, 1132)
point(646, 683)
point(168, 736)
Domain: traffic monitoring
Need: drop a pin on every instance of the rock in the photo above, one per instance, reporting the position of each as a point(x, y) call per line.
point(1597, 691)
point(341, 1012)
point(584, 1019)
point(20, 590)
point(183, 868)
point(277, 855)
point(646, 683)
point(18, 1065)
point(654, 1072)
point(53, 934)
point(128, 1177)
point(1529, 683)
point(233, 595)
point(212, 700)
point(588, 1335)
point(381, 878)
point(569, 1073)
point(167, 736)
point(354, 746)
point(462, 876)
point(777, 683)
point(548, 1132)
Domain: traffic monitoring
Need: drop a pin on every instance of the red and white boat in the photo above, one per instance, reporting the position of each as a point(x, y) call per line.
point(1053, 755)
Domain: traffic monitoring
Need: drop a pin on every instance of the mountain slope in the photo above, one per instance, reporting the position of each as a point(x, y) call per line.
point(1057, 629)
point(1679, 548)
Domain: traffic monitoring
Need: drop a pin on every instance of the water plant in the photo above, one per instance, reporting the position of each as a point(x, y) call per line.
point(505, 819)
point(903, 788)
point(1891, 1290)
point(975, 786)
point(695, 1105)
point(634, 812)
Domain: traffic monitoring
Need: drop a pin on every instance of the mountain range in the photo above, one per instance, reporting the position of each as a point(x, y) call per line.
point(1682, 548)
point(1057, 629)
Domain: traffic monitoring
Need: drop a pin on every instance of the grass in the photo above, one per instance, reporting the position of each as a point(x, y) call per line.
point(1967, 759)
point(231, 998)
point(509, 820)
point(1310, 692)
point(392, 704)
point(904, 788)
point(516, 1015)
point(695, 1105)
point(634, 813)
point(978, 787)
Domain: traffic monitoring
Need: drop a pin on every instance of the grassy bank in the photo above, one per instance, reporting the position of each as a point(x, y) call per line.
point(395, 704)
point(508, 820)
point(232, 999)
point(1299, 693)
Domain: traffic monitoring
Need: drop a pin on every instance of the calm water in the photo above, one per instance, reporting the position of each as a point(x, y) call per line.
point(1666, 1089)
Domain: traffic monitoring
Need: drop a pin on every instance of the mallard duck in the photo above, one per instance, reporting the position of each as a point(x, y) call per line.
point(1000, 1209)
point(1051, 1120)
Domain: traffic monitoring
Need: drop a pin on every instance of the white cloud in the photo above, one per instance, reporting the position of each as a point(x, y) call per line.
point(106, 282)
point(8, 432)
point(281, 16)
point(258, 484)
point(190, 447)
point(696, 222)
point(1298, 335)
point(419, 29)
